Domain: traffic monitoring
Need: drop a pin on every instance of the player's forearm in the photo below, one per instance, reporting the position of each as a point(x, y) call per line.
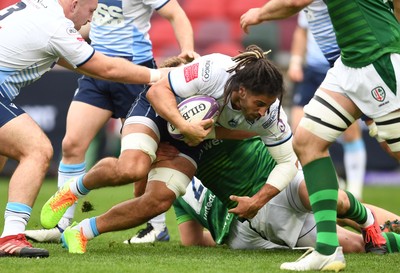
point(281, 9)
point(299, 43)
point(116, 69)
point(184, 34)
point(266, 193)
point(286, 168)
point(164, 103)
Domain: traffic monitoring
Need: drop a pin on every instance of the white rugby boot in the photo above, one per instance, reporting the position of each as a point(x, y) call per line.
point(52, 235)
point(313, 260)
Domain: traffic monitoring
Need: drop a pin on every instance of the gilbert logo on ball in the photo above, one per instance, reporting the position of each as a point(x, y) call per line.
point(195, 108)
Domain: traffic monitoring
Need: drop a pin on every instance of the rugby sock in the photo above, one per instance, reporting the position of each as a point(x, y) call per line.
point(355, 161)
point(392, 241)
point(89, 228)
point(16, 218)
point(358, 212)
point(66, 172)
point(322, 186)
point(158, 222)
point(77, 187)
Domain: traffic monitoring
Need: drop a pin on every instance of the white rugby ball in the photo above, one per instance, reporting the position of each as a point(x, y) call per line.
point(195, 108)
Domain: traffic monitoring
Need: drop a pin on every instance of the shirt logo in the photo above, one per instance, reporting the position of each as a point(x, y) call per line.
point(71, 31)
point(281, 126)
point(108, 13)
point(206, 71)
point(191, 72)
point(233, 123)
point(273, 115)
point(378, 93)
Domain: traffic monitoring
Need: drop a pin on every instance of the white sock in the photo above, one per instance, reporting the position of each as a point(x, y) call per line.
point(370, 219)
point(158, 222)
point(66, 172)
point(89, 228)
point(13, 225)
point(16, 218)
point(355, 161)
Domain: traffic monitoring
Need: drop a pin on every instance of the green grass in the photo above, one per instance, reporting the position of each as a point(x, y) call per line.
point(107, 253)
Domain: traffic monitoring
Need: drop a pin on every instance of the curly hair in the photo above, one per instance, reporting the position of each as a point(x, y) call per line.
point(256, 73)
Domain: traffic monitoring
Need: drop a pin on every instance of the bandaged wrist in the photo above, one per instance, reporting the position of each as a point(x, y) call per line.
point(155, 75)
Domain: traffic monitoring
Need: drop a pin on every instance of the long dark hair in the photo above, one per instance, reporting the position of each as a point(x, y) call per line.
point(256, 73)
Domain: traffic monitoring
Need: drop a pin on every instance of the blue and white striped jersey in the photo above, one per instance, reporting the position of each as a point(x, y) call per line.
point(121, 28)
point(34, 35)
point(314, 57)
point(321, 27)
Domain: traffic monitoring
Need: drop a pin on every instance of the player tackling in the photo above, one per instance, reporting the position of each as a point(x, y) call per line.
point(248, 88)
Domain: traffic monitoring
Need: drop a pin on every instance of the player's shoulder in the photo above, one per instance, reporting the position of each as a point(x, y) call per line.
point(218, 59)
point(214, 66)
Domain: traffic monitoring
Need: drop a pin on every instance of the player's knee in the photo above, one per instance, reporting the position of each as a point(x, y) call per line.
point(72, 147)
point(157, 202)
point(41, 153)
point(299, 145)
point(129, 171)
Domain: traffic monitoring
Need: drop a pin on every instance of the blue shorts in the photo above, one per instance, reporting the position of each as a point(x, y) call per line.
point(304, 91)
point(113, 96)
point(141, 107)
point(8, 110)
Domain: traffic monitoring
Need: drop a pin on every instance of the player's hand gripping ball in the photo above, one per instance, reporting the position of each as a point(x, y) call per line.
point(195, 108)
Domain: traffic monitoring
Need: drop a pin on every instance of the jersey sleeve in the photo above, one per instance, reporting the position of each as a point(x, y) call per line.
point(204, 76)
point(275, 128)
point(302, 20)
point(156, 4)
point(67, 43)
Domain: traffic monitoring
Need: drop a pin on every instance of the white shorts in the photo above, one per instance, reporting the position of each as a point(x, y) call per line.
point(282, 223)
point(365, 87)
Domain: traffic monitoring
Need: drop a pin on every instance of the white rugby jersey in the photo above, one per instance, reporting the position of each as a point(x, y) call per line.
point(33, 35)
point(321, 27)
point(208, 76)
point(121, 28)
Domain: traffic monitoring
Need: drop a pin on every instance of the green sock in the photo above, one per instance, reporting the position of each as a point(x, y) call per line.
point(322, 186)
point(357, 211)
point(392, 241)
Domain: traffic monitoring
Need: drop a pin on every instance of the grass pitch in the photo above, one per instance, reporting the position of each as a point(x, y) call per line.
point(107, 253)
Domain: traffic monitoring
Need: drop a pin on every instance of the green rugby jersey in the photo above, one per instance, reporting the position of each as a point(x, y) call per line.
point(201, 205)
point(234, 167)
point(226, 167)
point(365, 30)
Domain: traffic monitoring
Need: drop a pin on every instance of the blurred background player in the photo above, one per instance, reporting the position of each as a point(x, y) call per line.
point(307, 69)
point(118, 29)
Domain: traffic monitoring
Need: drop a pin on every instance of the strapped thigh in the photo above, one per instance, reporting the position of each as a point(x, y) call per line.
point(175, 180)
point(325, 118)
point(388, 130)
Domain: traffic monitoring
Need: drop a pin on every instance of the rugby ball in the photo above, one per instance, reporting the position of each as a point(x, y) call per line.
point(195, 108)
